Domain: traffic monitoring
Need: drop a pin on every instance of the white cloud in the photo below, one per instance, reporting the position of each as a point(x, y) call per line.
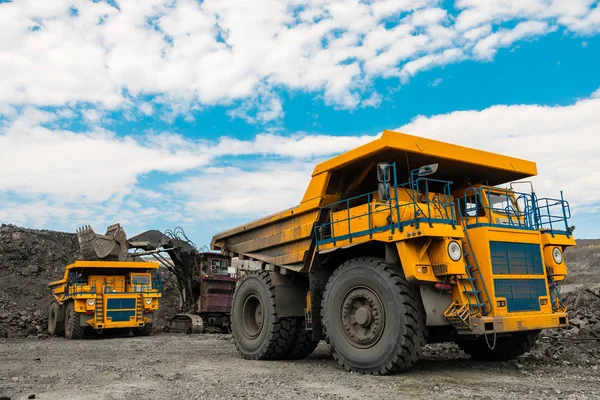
point(39, 159)
point(184, 53)
point(562, 140)
point(36, 160)
point(436, 82)
point(487, 47)
point(596, 94)
point(372, 101)
point(231, 192)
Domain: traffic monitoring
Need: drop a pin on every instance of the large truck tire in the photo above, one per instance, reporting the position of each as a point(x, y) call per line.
point(373, 318)
point(72, 328)
point(505, 348)
point(257, 331)
point(145, 331)
point(56, 320)
point(304, 344)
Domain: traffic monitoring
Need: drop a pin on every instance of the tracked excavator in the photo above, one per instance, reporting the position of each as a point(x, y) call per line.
point(205, 280)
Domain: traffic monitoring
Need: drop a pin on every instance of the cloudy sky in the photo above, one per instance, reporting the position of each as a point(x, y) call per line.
point(206, 114)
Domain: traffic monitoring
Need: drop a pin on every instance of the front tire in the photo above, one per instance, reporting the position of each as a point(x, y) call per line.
point(145, 331)
point(373, 318)
point(506, 348)
point(73, 330)
point(257, 332)
point(56, 320)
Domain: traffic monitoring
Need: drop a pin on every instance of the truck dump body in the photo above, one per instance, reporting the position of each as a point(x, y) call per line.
point(284, 239)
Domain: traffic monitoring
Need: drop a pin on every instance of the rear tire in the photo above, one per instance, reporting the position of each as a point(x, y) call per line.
point(506, 348)
point(373, 318)
point(56, 320)
point(145, 331)
point(73, 330)
point(257, 332)
point(303, 345)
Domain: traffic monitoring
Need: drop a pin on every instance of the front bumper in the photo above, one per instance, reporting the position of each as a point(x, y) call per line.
point(517, 323)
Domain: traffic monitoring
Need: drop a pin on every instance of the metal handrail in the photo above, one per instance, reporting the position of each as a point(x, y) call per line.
point(412, 188)
point(535, 213)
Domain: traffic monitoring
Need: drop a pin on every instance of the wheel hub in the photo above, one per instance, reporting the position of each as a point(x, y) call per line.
point(252, 316)
point(362, 317)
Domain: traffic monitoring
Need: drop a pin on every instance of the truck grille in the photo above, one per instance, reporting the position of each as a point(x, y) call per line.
point(516, 258)
point(521, 294)
point(120, 310)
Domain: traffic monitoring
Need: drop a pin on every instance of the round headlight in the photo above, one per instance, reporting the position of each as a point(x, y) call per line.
point(148, 301)
point(454, 251)
point(90, 302)
point(557, 255)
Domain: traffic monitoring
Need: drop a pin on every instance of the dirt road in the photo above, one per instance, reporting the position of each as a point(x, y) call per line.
point(170, 366)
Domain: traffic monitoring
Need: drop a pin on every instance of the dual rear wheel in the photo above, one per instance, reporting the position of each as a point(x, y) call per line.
point(64, 321)
point(372, 318)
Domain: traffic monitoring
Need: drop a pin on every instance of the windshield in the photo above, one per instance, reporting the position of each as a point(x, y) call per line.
point(219, 266)
point(502, 203)
point(140, 280)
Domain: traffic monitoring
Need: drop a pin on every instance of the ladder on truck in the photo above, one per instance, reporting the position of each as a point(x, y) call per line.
point(99, 313)
point(139, 308)
point(473, 290)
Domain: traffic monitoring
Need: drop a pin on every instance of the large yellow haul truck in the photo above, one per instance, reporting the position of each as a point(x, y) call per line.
point(101, 295)
point(397, 243)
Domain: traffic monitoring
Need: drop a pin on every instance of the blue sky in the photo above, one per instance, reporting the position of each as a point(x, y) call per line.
point(209, 114)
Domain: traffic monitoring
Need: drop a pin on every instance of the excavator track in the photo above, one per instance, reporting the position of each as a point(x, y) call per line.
point(187, 323)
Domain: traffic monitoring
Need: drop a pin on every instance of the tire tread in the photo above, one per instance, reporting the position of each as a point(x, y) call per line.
point(412, 340)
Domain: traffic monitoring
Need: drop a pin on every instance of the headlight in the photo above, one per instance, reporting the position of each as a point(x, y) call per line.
point(148, 301)
point(557, 255)
point(90, 302)
point(454, 251)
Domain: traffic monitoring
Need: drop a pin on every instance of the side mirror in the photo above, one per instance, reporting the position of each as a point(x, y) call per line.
point(384, 171)
point(385, 191)
point(427, 170)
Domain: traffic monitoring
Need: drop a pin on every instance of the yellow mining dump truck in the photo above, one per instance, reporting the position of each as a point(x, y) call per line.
point(102, 295)
point(401, 242)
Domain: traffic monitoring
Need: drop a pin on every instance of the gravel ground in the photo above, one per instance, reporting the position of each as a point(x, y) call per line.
point(180, 366)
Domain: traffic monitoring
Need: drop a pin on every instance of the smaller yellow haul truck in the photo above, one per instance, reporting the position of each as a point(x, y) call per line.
point(397, 243)
point(102, 295)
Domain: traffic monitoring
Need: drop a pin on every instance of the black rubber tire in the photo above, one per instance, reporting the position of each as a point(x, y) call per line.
point(403, 334)
point(272, 338)
point(145, 331)
point(56, 320)
point(73, 330)
point(303, 345)
point(506, 348)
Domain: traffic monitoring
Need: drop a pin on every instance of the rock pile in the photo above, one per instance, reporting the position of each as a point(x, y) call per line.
point(579, 344)
point(29, 259)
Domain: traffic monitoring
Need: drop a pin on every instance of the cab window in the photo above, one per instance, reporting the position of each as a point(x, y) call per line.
point(219, 266)
point(500, 203)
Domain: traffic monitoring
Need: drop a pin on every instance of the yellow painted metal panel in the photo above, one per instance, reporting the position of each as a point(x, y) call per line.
point(415, 144)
